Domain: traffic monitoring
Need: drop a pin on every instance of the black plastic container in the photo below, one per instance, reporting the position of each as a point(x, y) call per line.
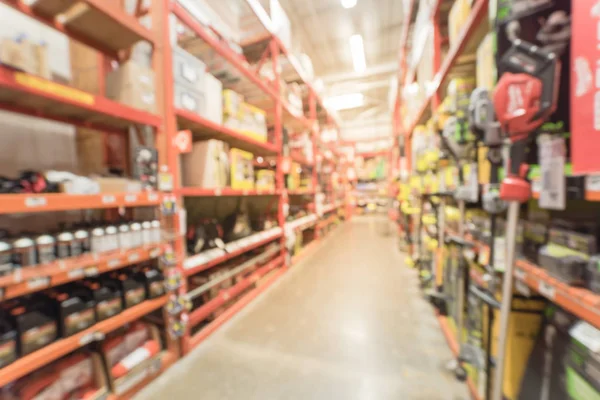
point(109, 301)
point(8, 341)
point(132, 291)
point(153, 281)
point(75, 311)
point(35, 325)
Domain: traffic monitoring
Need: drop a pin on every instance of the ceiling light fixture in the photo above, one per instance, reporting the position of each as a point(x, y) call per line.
point(349, 3)
point(358, 53)
point(345, 101)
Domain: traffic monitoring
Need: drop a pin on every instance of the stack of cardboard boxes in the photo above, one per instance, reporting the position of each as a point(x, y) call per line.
point(24, 55)
point(195, 89)
point(243, 117)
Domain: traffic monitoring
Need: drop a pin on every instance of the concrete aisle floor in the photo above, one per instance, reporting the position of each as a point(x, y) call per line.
point(346, 323)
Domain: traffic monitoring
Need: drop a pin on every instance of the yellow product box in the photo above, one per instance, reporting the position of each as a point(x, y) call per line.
point(293, 178)
point(232, 104)
point(486, 64)
point(459, 13)
point(253, 122)
point(242, 169)
point(265, 180)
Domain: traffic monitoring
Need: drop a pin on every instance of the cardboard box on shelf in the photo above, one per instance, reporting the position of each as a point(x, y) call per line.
point(232, 102)
point(242, 169)
point(207, 165)
point(25, 55)
point(118, 185)
point(253, 122)
point(132, 84)
point(85, 67)
point(265, 180)
point(189, 99)
point(213, 93)
point(188, 70)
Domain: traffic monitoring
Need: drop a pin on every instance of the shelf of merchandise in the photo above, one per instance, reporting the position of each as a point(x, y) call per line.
point(193, 341)
point(29, 94)
point(31, 203)
point(203, 128)
point(96, 23)
point(210, 258)
point(39, 277)
point(201, 192)
point(29, 363)
point(105, 27)
point(479, 11)
point(581, 302)
point(302, 223)
point(453, 344)
point(301, 192)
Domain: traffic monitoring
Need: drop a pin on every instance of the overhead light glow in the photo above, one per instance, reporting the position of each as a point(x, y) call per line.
point(358, 53)
point(349, 3)
point(345, 101)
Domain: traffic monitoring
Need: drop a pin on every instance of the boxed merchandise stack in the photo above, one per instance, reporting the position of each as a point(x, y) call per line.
point(189, 76)
point(23, 54)
point(243, 117)
point(207, 165)
point(132, 84)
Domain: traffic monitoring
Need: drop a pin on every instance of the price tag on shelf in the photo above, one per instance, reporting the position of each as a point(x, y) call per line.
point(231, 247)
point(133, 257)
point(154, 253)
point(520, 274)
point(195, 261)
point(75, 273)
point(91, 271)
point(547, 290)
point(38, 282)
point(35, 201)
point(113, 263)
point(109, 199)
point(152, 196)
point(131, 198)
point(522, 288)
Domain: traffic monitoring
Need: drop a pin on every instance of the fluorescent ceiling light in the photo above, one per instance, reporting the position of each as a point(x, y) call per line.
point(358, 53)
point(345, 101)
point(348, 3)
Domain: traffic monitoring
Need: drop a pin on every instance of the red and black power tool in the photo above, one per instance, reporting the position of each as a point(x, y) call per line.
point(526, 95)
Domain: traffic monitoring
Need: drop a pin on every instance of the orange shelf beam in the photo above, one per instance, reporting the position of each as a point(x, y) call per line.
point(35, 278)
point(581, 302)
point(25, 365)
point(203, 261)
point(32, 95)
point(203, 128)
point(201, 192)
point(30, 203)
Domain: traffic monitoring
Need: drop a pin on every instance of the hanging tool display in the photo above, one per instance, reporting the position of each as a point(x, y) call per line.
point(485, 126)
point(525, 97)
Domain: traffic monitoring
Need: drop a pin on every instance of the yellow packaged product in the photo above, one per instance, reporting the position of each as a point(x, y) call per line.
point(242, 169)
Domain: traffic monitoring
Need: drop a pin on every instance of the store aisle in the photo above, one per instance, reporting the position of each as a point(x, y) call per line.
point(346, 323)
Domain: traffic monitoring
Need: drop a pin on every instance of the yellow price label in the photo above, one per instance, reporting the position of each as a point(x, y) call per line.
point(54, 88)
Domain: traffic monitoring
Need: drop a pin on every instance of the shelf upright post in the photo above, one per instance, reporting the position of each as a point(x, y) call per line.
point(315, 133)
point(278, 138)
point(168, 156)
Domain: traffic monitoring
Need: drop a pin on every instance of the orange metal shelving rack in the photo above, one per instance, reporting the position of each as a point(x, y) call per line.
point(34, 96)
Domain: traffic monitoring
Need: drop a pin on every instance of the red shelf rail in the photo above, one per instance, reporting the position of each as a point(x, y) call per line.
point(30, 203)
point(35, 278)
